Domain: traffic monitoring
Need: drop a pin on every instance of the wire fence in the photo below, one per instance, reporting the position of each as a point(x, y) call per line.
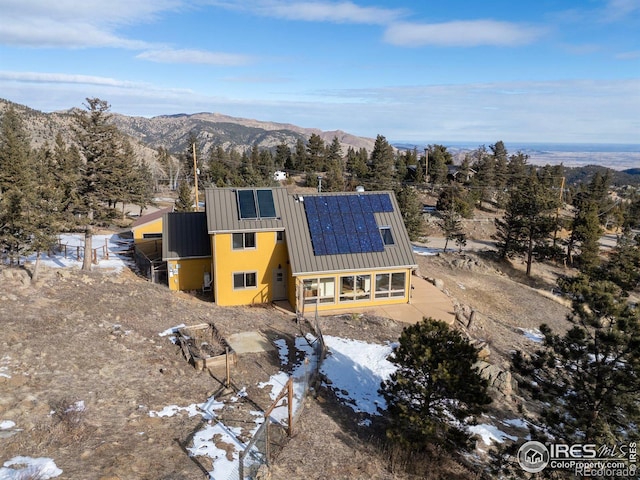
point(272, 435)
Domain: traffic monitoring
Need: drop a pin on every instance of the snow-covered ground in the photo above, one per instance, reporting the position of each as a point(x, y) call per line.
point(67, 255)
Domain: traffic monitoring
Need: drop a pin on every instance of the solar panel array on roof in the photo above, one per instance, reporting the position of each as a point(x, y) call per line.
point(255, 204)
point(341, 224)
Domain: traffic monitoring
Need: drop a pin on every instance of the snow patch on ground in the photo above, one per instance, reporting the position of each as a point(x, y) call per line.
point(490, 433)
point(118, 248)
point(533, 334)
point(19, 468)
point(356, 370)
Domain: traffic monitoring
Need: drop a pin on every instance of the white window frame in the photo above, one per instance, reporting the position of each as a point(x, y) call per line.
point(354, 296)
point(319, 295)
point(244, 280)
point(244, 241)
point(389, 291)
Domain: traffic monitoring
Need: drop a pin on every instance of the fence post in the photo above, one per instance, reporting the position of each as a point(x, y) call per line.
point(106, 249)
point(290, 406)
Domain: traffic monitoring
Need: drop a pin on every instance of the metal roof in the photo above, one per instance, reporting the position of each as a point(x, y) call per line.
point(223, 216)
point(184, 235)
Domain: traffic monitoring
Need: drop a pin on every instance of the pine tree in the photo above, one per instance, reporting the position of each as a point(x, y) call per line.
point(528, 220)
point(17, 187)
point(439, 158)
point(184, 202)
point(284, 159)
point(98, 140)
point(357, 164)
point(589, 378)
point(316, 155)
point(381, 170)
point(451, 226)
point(411, 210)
point(299, 158)
point(435, 378)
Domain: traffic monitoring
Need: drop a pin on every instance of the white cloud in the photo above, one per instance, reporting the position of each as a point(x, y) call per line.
point(461, 33)
point(168, 55)
point(315, 11)
point(69, 23)
point(619, 9)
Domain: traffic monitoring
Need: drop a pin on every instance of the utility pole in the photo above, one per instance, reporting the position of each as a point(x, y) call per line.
point(195, 176)
point(426, 164)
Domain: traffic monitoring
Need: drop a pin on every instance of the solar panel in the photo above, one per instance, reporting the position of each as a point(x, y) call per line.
point(266, 208)
point(342, 224)
point(330, 244)
point(386, 202)
point(247, 204)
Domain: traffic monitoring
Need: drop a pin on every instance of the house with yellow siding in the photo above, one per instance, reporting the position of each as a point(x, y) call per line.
point(324, 251)
point(149, 226)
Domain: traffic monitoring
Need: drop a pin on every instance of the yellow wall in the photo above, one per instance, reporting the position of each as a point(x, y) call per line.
point(187, 274)
point(263, 260)
point(154, 226)
point(295, 297)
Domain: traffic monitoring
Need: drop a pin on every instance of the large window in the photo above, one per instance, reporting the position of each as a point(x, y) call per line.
point(355, 287)
point(390, 285)
point(243, 280)
point(319, 290)
point(244, 240)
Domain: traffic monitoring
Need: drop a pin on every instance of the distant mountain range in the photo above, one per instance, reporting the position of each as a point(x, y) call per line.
point(173, 131)
point(212, 129)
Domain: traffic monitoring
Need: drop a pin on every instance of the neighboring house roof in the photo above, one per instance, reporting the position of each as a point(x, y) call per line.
point(184, 235)
point(150, 217)
point(224, 215)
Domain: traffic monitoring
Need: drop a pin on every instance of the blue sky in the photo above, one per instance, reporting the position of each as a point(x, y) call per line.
point(428, 71)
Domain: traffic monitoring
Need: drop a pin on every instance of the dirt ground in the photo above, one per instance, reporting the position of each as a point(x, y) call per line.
point(94, 338)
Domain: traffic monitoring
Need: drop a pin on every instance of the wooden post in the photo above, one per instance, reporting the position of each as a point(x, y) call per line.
point(290, 406)
point(195, 175)
point(106, 249)
point(78, 252)
point(228, 380)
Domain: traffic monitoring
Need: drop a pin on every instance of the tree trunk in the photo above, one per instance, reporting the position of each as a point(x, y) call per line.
point(86, 260)
point(529, 255)
point(36, 269)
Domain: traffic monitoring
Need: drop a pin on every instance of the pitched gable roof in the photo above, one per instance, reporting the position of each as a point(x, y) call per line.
point(223, 215)
point(150, 217)
point(304, 259)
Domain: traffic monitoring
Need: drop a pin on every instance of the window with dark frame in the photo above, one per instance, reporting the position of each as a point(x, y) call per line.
point(242, 280)
point(242, 241)
point(387, 236)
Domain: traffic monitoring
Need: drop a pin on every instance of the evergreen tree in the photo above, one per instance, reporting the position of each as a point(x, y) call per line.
point(66, 169)
point(411, 210)
point(435, 378)
point(381, 172)
point(299, 158)
point(98, 140)
point(315, 158)
point(528, 220)
point(284, 159)
point(589, 378)
point(439, 157)
point(15, 153)
point(184, 202)
point(500, 159)
point(485, 178)
point(451, 226)
point(456, 197)
point(357, 164)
